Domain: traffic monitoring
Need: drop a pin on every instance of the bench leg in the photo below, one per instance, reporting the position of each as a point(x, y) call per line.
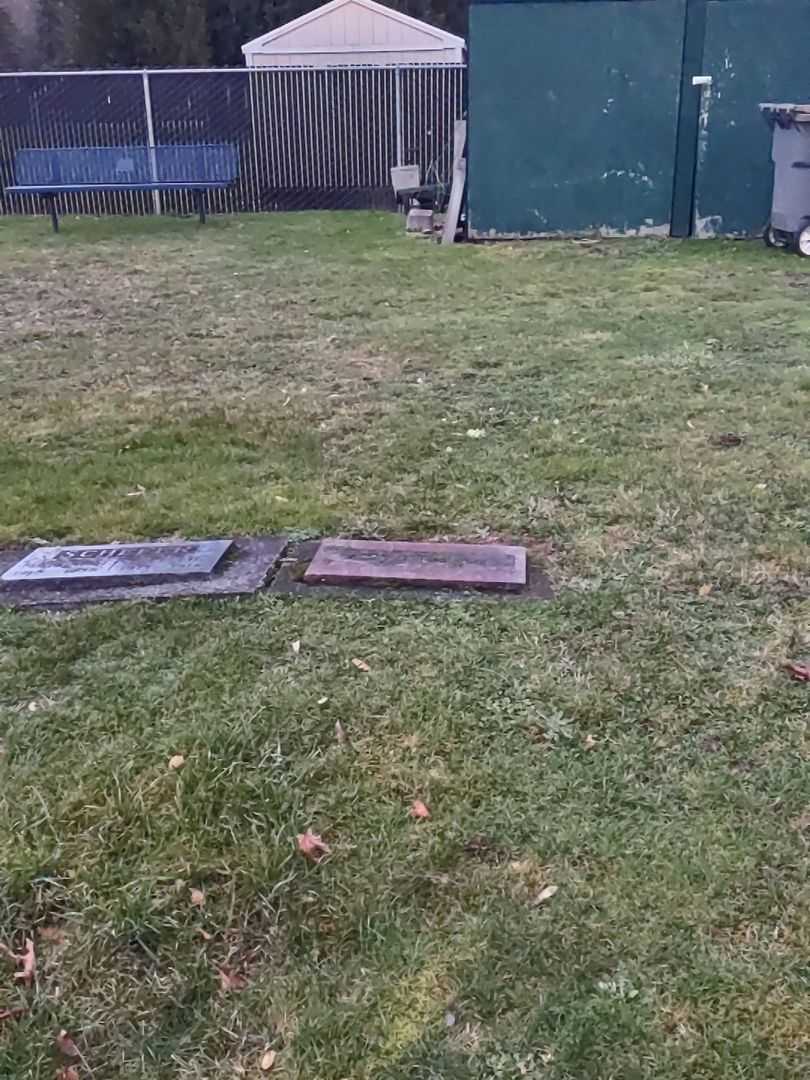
point(201, 205)
point(50, 201)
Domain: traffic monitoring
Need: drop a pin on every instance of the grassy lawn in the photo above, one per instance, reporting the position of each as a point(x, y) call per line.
point(635, 743)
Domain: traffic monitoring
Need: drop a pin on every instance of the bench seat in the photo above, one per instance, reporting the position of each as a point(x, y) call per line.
point(54, 171)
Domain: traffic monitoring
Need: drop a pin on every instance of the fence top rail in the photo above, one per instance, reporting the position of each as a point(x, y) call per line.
point(226, 70)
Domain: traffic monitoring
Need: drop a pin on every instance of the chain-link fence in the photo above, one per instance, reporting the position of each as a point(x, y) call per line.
point(308, 138)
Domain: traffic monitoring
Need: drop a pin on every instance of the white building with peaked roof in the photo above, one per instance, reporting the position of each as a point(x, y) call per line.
point(354, 32)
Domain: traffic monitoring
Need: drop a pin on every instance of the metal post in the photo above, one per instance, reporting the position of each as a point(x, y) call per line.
point(150, 136)
point(400, 132)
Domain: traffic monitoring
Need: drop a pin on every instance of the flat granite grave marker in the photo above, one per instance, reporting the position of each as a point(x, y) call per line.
point(459, 566)
point(50, 577)
point(119, 564)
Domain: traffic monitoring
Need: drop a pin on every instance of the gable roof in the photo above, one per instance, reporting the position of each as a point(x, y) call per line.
point(444, 39)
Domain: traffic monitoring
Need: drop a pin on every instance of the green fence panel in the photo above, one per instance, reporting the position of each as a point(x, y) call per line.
point(755, 50)
point(573, 116)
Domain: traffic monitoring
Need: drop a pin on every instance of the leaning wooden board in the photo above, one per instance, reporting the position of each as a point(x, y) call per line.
point(459, 183)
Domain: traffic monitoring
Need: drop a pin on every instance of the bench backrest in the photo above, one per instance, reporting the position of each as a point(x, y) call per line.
point(211, 163)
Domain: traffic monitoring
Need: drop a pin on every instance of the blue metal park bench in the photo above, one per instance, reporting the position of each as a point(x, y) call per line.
point(48, 173)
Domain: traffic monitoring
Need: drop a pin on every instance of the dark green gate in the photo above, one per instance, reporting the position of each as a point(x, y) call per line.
point(754, 51)
point(627, 116)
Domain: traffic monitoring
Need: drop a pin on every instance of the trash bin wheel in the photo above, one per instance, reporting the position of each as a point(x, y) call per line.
point(801, 242)
point(774, 238)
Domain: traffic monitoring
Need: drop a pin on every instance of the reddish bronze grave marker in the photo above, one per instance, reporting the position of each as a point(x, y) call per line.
point(458, 566)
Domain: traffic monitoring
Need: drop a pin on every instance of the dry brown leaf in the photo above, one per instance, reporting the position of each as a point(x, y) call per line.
point(176, 761)
point(800, 672)
point(361, 665)
point(52, 934)
point(66, 1046)
point(546, 894)
point(312, 846)
point(705, 590)
point(231, 980)
point(197, 897)
point(12, 1014)
point(268, 1060)
point(69, 1072)
point(28, 960)
point(206, 936)
point(419, 810)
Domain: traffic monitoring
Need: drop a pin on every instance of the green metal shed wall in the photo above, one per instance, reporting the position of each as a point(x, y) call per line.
point(755, 50)
point(583, 116)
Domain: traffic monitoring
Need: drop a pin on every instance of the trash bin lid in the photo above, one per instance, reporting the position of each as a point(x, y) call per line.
point(785, 114)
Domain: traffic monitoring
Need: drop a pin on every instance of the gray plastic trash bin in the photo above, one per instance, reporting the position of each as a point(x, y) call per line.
point(789, 225)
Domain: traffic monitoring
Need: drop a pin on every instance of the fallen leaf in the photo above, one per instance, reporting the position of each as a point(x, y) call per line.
point(545, 894)
point(361, 665)
point(589, 742)
point(53, 934)
point(311, 845)
point(419, 810)
point(66, 1046)
point(12, 1014)
point(69, 1072)
point(323, 700)
point(231, 980)
point(29, 963)
point(197, 897)
point(705, 590)
point(176, 761)
point(296, 647)
point(206, 936)
point(268, 1060)
point(340, 734)
point(798, 671)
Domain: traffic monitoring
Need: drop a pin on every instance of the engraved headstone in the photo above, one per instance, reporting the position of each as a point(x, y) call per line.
point(118, 564)
point(460, 566)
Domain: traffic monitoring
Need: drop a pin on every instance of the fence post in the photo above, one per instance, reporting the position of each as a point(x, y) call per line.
point(150, 137)
point(400, 131)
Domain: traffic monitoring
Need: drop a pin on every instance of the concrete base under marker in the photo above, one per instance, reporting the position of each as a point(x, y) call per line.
point(245, 569)
point(289, 581)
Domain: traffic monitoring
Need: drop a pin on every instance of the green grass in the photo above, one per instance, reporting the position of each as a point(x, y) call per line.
point(634, 743)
